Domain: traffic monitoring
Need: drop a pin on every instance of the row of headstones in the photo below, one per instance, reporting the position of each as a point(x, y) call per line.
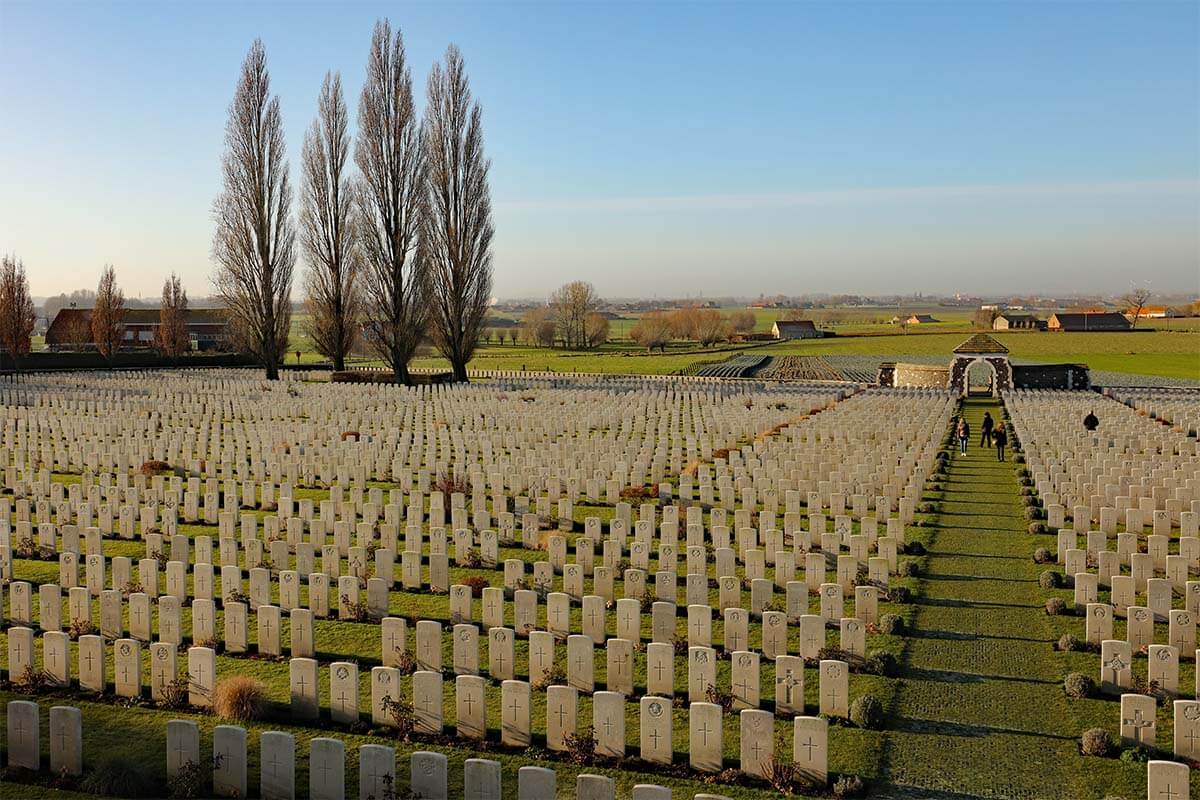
point(525, 601)
point(1142, 566)
point(1116, 667)
point(1139, 725)
point(750, 551)
point(234, 633)
point(755, 556)
point(429, 779)
point(92, 665)
point(1160, 593)
point(393, 631)
point(1139, 628)
point(1107, 519)
point(162, 519)
point(620, 656)
point(516, 729)
point(1174, 406)
point(428, 771)
point(206, 501)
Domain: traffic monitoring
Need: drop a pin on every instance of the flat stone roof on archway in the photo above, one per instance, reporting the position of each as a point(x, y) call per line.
point(981, 343)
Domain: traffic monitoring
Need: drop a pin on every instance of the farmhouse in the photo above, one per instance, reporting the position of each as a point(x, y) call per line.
point(72, 329)
point(1149, 312)
point(1088, 321)
point(795, 329)
point(1008, 322)
point(920, 319)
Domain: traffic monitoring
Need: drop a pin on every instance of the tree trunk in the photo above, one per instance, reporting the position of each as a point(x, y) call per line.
point(400, 371)
point(460, 372)
point(339, 363)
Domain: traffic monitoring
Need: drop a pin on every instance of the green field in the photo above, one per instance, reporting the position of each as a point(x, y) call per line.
point(1172, 354)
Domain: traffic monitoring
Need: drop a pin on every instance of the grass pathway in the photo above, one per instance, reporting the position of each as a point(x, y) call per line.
point(980, 710)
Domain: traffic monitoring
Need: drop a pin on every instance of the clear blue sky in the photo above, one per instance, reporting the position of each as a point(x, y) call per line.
point(654, 148)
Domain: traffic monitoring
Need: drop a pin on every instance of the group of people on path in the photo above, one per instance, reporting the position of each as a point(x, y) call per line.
point(998, 435)
point(992, 435)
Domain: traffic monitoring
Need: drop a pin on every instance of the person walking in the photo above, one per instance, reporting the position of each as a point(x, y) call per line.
point(1091, 421)
point(1001, 439)
point(988, 424)
point(964, 435)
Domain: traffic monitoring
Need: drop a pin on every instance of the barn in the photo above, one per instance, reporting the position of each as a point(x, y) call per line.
point(796, 329)
point(72, 329)
point(1088, 321)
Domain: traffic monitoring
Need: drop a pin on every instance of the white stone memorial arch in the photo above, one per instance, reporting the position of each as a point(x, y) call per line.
point(981, 348)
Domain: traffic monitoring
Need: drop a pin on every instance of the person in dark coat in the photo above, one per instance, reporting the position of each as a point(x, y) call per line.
point(1001, 439)
point(988, 423)
point(1091, 421)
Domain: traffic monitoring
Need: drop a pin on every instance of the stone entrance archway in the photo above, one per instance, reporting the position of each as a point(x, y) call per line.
point(981, 348)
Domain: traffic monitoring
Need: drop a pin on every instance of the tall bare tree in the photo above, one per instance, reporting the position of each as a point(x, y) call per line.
point(327, 230)
point(1135, 301)
point(254, 244)
point(17, 315)
point(171, 339)
point(77, 332)
point(108, 314)
point(457, 236)
point(572, 304)
point(389, 152)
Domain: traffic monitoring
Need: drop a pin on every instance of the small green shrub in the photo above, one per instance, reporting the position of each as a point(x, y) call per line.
point(189, 782)
point(867, 712)
point(1042, 555)
point(1050, 579)
point(909, 569)
point(1068, 643)
point(914, 549)
point(848, 786)
point(880, 662)
point(1135, 755)
point(401, 713)
point(1056, 606)
point(1078, 686)
point(891, 624)
point(581, 747)
point(899, 594)
point(121, 777)
point(1037, 528)
point(1095, 742)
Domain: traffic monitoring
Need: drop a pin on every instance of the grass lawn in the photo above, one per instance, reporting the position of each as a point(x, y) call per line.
point(981, 710)
point(1168, 353)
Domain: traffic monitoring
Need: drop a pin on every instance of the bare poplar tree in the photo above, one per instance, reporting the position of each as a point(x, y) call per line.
point(108, 314)
point(326, 229)
point(17, 315)
point(171, 339)
point(254, 244)
point(457, 236)
point(389, 152)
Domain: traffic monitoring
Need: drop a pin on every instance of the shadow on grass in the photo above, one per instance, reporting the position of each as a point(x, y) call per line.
point(949, 576)
point(946, 728)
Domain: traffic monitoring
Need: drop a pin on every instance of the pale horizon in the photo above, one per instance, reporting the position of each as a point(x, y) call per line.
point(775, 149)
